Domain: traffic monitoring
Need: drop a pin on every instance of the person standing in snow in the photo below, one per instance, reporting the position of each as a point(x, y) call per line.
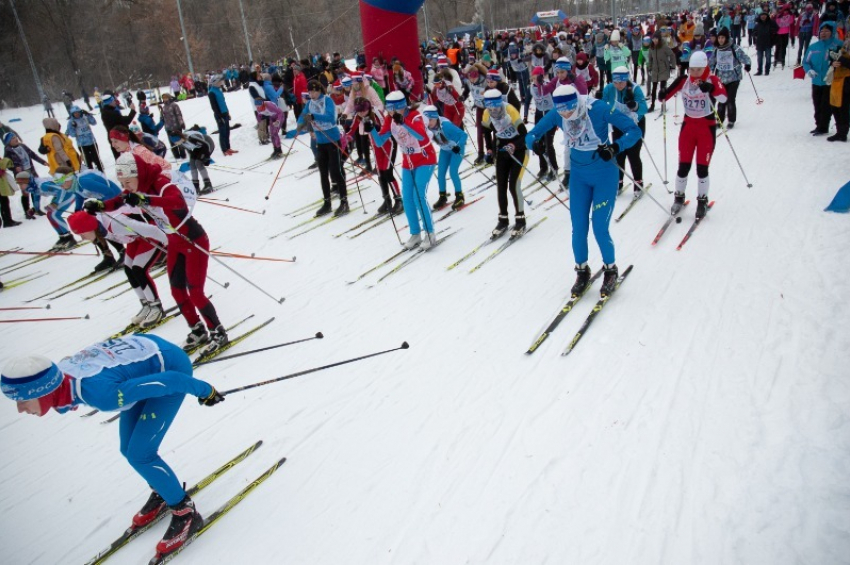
point(699, 91)
point(111, 116)
point(452, 143)
point(593, 183)
point(79, 127)
point(48, 105)
point(145, 378)
point(221, 114)
point(23, 161)
point(627, 97)
point(729, 62)
point(407, 126)
point(370, 118)
point(174, 125)
point(816, 63)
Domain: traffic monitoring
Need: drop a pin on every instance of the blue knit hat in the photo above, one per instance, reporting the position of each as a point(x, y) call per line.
point(26, 378)
point(8, 137)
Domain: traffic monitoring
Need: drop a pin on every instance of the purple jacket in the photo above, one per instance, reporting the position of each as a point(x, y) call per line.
point(577, 81)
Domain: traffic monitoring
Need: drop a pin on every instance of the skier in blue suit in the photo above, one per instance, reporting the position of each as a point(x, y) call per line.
point(144, 377)
point(452, 143)
point(594, 178)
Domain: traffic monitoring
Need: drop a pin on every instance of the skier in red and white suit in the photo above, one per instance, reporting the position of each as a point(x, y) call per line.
point(700, 91)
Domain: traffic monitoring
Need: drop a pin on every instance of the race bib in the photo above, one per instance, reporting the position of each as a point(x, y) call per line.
point(108, 354)
point(725, 60)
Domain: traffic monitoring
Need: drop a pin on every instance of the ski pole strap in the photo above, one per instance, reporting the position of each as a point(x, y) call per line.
point(404, 345)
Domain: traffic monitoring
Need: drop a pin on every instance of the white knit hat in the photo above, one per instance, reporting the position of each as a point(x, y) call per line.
point(125, 166)
point(33, 376)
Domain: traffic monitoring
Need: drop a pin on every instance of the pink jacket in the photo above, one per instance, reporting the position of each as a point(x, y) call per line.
point(785, 21)
point(380, 76)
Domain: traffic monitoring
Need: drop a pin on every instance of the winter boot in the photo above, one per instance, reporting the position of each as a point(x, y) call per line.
point(149, 511)
point(678, 202)
point(702, 207)
point(185, 521)
point(459, 201)
point(196, 337)
point(413, 242)
point(836, 137)
point(385, 207)
point(343, 208)
point(67, 241)
point(143, 313)
point(478, 161)
point(108, 262)
point(519, 226)
point(582, 280)
point(501, 227)
point(609, 279)
point(30, 214)
point(441, 202)
point(208, 187)
point(10, 223)
point(325, 209)
point(429, 241)
point(155, 314)
point(730, 125)
point(398, 207)
point(276, 154)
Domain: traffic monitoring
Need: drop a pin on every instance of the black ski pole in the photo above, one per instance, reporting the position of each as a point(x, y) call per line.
point(404, 345)
point(319, 335)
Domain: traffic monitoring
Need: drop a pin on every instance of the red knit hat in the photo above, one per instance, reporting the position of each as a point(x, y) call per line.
point(82, 222)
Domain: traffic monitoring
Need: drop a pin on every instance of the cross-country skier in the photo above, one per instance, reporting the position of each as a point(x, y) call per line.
point(146, 378)
point(418, 158)
point(699, 89)
point(593, 183)
point(628, 98)
point(452, 143)
point(370, 118)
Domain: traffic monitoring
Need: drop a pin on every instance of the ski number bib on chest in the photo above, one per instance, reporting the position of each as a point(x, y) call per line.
point(580, 135)
point(725, 60)
point(108, 354)
point(618, 58)
point(478, 95)
point(504, 126)
point(444, 96)
point(317, 108)
point(407, 144)
point(697, 103)
point(542, 102)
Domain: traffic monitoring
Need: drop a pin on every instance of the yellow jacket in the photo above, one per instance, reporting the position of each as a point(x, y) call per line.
point(53, 142)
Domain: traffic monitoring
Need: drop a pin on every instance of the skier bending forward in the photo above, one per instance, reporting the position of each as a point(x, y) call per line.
point(146, 378)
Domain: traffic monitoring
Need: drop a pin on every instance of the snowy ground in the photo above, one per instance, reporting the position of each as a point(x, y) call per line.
point(701, 420)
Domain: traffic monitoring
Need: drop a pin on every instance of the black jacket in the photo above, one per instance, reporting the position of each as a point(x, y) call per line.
point(112, 117)
point(765, 32)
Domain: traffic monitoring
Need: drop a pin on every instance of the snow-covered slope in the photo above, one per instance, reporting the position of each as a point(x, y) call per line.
point(703, 419)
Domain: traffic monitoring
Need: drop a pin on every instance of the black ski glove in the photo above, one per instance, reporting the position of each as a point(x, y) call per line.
point(538, 147)
point(212, 399)
point(608, 151)
point(398, 118)
point(456, 150)
point(368, 126)
point(748, 67)
point(93, 206)
point(135, 199)
point(707, 87)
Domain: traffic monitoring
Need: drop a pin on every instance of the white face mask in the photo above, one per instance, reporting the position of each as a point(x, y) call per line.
point(497, 112)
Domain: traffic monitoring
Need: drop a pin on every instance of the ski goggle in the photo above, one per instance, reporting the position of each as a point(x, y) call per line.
point(620, 77)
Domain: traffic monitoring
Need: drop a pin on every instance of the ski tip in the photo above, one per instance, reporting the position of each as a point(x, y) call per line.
point(405, 345)
point(320, 335)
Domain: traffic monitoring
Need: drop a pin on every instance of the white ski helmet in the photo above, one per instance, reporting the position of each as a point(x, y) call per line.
point(698, 60)
point(430, 112)
point(615, 36)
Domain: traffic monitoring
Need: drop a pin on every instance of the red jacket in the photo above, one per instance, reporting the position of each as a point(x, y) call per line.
point(299, 87)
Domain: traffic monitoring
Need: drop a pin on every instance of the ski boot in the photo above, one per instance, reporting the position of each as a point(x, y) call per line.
point(343, 208)
point(185, 522)
point(143, 313)
point(276, 154)
point(197, 185)
point(459, 201)
point(519, 226)
point(67, 241)
point(208, 187)
point(478, 161)
point(413, 242)
point(565, 183)
point(501, 227)
point(196, 337)
point(638, 190)
point(10, 223)
point(313, 166)
point(441, 202)
point(325, 209)
point(582, 279)
point(730, 125)
point(678, 202)
point(218, 339)
point(398, 207)
point(429, 241)
point(149, 511)
point(108, 262)
point(385, 207)
point(39, 212)
point(702, 206)
point(609, 280)
point(154, 315)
